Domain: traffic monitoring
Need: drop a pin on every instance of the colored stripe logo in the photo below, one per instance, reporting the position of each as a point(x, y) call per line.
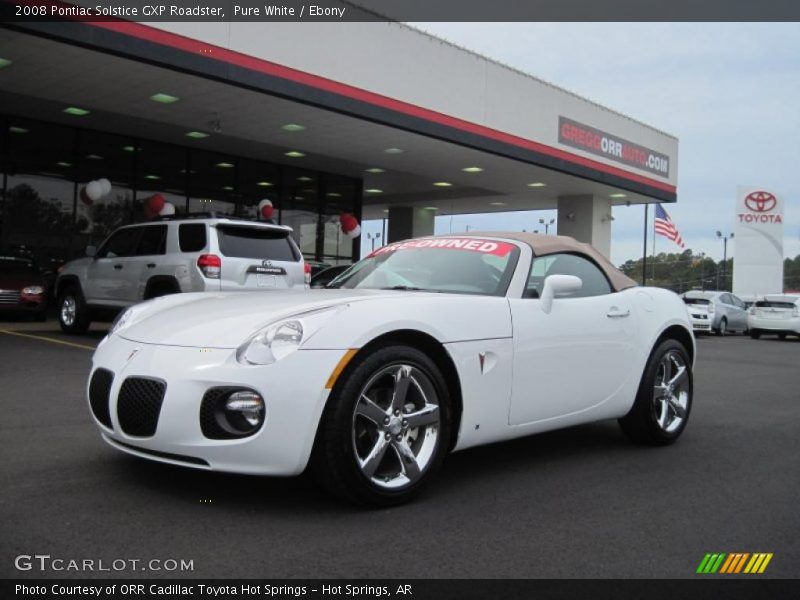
point(734, 563)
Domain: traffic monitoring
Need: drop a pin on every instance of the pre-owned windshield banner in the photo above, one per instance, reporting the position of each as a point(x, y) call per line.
point(455, 243)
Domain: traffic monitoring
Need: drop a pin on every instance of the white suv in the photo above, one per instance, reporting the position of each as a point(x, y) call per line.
point(208, 254)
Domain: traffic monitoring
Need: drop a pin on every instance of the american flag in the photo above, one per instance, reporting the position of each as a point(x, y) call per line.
point(664, 226)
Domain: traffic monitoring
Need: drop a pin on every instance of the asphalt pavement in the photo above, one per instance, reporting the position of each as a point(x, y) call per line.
point(583, 502)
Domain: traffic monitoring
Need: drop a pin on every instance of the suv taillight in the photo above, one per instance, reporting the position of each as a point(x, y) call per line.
point(307, 271)
point(210, 265)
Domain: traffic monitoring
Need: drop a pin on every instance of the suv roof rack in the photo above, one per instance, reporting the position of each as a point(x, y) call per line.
point(203, 215)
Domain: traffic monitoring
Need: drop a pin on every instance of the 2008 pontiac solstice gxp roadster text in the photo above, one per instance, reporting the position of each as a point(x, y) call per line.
point(424, 347)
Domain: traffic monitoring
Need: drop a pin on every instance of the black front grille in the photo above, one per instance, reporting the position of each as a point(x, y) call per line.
point(9, 297)
point(99, 391)
point(139, 404)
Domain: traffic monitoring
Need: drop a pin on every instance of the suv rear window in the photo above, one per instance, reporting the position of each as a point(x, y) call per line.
point(192, 237)
point(256, 242)
point(696, 301)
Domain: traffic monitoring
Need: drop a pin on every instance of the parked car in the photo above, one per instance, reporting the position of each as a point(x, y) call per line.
point(423, 347)
point(212, 254)
point(720, 312)
point(22, 287)
point(324, 277)
point(775, 314)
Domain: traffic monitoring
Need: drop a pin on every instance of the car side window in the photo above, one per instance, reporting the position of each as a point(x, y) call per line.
point(192, 237)
point(738, 301)
point(153, 241)
point(726, 299)
point(595, 283)
point(121, 243)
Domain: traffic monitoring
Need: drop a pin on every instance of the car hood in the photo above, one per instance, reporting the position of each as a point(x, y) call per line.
point(226, 320)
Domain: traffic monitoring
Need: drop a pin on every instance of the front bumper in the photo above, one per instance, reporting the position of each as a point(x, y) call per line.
point(293, 390)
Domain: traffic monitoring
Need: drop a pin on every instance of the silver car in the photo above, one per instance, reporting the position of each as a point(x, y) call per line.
point(139, 262)
point(720, 312)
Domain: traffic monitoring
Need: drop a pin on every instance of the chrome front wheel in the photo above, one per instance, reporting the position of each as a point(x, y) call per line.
point(69, 308)
point(671, 392)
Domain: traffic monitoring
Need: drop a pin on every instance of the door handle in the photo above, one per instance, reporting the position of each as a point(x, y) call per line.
point(151, 265)
point(615, 313)
point(117, 267)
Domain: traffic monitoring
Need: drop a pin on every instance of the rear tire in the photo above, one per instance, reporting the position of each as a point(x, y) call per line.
point(664, 400)
point(754, 334)
point(368, 451)
point(722, 330)
point(73, 314)
point(781, 336)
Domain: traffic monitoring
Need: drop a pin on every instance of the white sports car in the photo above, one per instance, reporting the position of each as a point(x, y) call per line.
point(424, 347)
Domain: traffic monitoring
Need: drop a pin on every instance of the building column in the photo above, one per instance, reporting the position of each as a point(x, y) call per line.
point(587, 219)
point(407, 222)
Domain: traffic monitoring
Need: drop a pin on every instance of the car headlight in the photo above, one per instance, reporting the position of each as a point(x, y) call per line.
point(280, 339)
point(122, 320)
point(33, 290)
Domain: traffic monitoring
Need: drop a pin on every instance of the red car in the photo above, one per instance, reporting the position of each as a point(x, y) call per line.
point(22, 287)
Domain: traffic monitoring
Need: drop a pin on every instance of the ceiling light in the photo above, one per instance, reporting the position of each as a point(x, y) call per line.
point(152, 177)
point(374, 170)
point(333, 195)
point(373, 191)
point(305, 178)
point(197, 135)
point(63, 163)
point(4, 62)
point(74, 110)
point(293, 127)
point(15, 129)
point(225, 165)
point(443, 184)
point(298, 197)
point(497, 203)
point(294, 154)
point(164, 98)
point(227, 188)
point(264, 184)
point(130, 149)
point(537, 184)
point(386, 210)
point(431, 208)
point(394, 151)
point(472, 169)
point(617, 195)
point(94, 157)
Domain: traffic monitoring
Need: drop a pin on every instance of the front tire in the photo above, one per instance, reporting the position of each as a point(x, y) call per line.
point(73, 314)
point(385, 429)
point(754, 334)
point(722, 330)
point(664, 400)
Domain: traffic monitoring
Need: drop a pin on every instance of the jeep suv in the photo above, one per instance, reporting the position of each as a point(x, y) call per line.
point(209, 254)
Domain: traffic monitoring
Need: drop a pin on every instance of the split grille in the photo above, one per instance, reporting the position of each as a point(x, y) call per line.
point(9, 297)
point(99, 391)
point(139, 404)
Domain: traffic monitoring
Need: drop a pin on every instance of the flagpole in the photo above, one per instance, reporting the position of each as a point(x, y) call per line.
point(644, 249)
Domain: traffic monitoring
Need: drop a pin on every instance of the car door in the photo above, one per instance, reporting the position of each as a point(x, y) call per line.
point(107, 280)
point(741, 312)
point(580, 354)
point(147, 260)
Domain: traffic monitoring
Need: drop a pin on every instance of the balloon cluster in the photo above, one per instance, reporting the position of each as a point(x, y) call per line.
point(157, 206)
point(265, 210)
point(350, 226)
point(94, 190)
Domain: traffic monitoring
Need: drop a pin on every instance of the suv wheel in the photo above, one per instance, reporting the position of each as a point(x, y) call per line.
point(73, 314)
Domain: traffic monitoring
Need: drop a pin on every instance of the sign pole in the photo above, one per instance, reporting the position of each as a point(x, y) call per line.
point(644, 249)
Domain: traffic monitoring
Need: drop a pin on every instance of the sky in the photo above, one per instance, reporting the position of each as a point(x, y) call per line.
point(730, 92)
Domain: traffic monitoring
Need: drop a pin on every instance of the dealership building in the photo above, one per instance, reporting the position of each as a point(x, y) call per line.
point(378, 119)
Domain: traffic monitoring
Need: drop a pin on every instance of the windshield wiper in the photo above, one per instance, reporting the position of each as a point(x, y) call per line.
point(406, 288)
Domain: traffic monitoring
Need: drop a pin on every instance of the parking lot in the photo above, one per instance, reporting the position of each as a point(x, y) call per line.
point(577, 503)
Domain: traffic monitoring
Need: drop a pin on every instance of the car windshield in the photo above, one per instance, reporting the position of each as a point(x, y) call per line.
point(697, 301)
point(452, 265)
point(17, 267)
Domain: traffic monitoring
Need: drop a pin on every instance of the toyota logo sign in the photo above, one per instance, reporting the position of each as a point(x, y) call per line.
point(760, 202)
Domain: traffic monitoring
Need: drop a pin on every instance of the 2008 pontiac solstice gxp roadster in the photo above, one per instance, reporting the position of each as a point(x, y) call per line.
point(424, 347)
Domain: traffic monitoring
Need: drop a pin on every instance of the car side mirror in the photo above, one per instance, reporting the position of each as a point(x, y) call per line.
point(91, 251)
point(558, 285)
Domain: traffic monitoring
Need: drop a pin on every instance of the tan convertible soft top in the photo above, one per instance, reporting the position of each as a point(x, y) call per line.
point(554, 244)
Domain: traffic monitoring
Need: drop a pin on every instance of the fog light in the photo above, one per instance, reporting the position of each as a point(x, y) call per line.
point(244, 411)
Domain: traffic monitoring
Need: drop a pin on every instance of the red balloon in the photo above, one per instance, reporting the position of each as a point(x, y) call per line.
point(266, 211)
point(154, 204)
point(85, 197)
point(348, 222)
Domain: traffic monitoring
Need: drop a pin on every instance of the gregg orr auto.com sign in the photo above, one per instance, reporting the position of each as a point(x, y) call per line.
point(584, 137)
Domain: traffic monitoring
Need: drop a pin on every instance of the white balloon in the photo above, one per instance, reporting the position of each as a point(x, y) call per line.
point(354, 233)
point(106, 186)
point(94, 190)
point(169, 209)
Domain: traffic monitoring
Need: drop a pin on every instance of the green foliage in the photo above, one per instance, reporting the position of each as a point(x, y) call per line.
point(686, 270)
